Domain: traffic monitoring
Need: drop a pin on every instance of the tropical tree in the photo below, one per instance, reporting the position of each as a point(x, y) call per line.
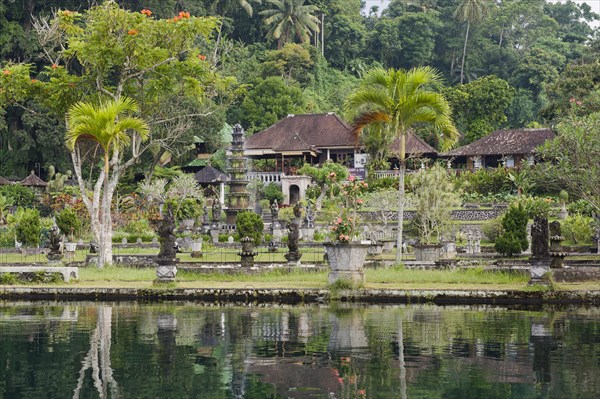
point(398, 100)
point(111, 127)
point(289, 18)
point(471, 12)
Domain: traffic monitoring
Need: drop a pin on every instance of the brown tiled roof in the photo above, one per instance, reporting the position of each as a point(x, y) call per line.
point(414, 145)
point(208, 175)
point(505, 142)
point(33, 181)
point(300, 133)
point(4, 181)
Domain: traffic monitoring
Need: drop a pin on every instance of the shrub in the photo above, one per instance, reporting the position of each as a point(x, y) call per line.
point(273, 192)
point(139, 227)
point(534, 206)
point(251, 225)
point(19, 195)
point(67, 221)
point(8, 278)
point(7, 236)
point(492, 228)
point(581, 207)
point(487, 181)
point(29, 227)
point(513, 239)
point(578, 228)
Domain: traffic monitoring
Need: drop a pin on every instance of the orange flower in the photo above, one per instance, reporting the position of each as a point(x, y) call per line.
point(132, 32)
point(361, 392)
point(6, 72)
point(54, 66)
point(146, 12)
point(201, 57)
point(33, 80)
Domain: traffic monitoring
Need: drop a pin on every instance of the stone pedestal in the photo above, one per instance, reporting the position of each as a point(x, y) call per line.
point(196, 247)
point(540, 267)
point(346, 261)
point(247, 255)
point(166, 270)
point(428, 253)
point(388, 245)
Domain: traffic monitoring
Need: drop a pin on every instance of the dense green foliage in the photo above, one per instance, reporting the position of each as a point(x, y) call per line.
point(521, 61)
point(29, 227)
point(513, 239)
point(249, 224)
point(68, 222)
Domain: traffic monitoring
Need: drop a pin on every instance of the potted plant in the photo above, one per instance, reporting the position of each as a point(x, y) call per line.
point(346, 255)
point(434, 197)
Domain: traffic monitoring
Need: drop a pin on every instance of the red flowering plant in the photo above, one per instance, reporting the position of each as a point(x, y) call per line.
point(344, 226)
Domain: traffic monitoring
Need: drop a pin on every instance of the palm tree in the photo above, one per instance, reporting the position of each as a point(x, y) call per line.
point(108, 125)
point(398, 100)
point(289, 18)
point(469, 11)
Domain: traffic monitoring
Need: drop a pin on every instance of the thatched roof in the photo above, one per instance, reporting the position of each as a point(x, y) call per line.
point(301, 133)
point(414, 146)
point(4, 181)
point(210, 175)
point(505, 142)
point(33, 181)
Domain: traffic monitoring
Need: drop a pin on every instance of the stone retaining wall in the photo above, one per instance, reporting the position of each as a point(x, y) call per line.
point(458, 214)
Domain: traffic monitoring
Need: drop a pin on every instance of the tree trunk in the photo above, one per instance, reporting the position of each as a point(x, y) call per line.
point(401, 198)
point(462, 64)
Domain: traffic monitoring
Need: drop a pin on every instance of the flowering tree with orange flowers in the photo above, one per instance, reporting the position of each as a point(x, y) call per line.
point(108, 54)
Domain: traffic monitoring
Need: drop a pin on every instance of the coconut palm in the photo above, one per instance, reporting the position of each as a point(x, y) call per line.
point(471, 12)
point(289, 18)
point(108, 125)
point(398, 100)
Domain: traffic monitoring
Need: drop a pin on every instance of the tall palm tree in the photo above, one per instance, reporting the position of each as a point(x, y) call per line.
point(471, 12)
point(289, 18)
point(398, 100)
point(109, 125)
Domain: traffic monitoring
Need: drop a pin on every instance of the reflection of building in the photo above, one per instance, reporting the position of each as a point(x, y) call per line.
point(507, 148)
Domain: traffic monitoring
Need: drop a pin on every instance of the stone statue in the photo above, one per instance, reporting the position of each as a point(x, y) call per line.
point(274, 211)
point(167, 236)
point(539, 238)
point(205, 219)
point(216, 211)
point(310, 216)
point(55, 244)
point(293, 255)
point(297, 210)
point(555, 229)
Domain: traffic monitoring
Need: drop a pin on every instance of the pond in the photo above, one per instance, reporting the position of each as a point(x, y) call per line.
point(191, 350)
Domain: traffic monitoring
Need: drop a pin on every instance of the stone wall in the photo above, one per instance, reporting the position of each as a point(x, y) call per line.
point(468, 215)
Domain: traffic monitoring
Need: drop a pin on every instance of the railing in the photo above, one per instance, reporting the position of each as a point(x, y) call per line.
point(266, 177)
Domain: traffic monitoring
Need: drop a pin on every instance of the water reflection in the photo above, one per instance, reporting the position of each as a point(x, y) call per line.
point(129, 350)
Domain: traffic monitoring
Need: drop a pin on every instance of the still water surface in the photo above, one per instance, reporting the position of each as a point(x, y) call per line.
point(186, 350)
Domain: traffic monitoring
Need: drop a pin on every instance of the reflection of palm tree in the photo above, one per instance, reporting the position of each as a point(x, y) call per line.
point(98, 357)
point(398, 100)
point(469, 11)
point(289, 18)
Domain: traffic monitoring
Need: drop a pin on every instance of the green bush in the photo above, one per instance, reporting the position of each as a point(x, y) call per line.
point(7, 236)
point(581, 207)
point(273, 192)
point(29, 228)
point(67, 221)
point(8, 278)
point(189, 209)
point(487, 181)
point(251, 225)
point(318, 236)
point(139, 227)
point(492, 228)
point(513, 239)
point(534, 206)
point(578, 228)
point(19, 195)
point(223, 237)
